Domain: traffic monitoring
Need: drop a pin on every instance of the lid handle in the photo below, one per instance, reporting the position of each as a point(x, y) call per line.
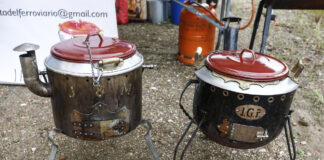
point(93, 34)
point(247, 51)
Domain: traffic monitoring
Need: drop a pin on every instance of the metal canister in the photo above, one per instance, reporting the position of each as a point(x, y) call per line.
point(195, 32)
point(155, 8)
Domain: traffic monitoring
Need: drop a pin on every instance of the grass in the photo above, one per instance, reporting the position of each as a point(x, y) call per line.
point(318, 15)
point(319, 96)
point(301, 154)
point(315, 95)
point(313, 37)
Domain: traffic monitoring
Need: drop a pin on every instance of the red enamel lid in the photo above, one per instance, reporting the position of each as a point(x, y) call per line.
point(75, 50)
point(247, 65)
point(79, 27)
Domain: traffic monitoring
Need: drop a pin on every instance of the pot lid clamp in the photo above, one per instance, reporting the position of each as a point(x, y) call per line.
point(75, 50)
point(247, 65)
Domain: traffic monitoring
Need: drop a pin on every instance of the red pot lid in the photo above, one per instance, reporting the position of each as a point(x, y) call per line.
point(75, 50)
point(79, 27)
point(247, 65)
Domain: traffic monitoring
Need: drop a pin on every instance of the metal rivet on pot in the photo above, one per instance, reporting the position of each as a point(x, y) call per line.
point(212, 88)
point(85, 134)
point(256, 99)
point(283, 97)
point(85, 125)
point(271, 99)
point(240, 97)
point(80, 133)
point(225, 93)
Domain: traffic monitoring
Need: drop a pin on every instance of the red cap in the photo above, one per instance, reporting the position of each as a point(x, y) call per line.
point(75, 50)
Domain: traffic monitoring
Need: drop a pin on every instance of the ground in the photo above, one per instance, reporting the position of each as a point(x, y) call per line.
point(26, 119)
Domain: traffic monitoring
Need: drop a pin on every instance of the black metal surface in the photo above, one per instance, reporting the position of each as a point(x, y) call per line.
point(220, 107)
point(266, 28)
point(220, 32)
point(180, 100)
point(181, 139)
point(256, 24)
point(295, 4)
point(291, 137)
point(230, 38)
point(78, 110)
point(232, 19)
point(190, 140)
point(228, 8)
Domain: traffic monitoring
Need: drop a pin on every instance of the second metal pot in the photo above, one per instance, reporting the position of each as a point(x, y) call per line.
point(242, 99)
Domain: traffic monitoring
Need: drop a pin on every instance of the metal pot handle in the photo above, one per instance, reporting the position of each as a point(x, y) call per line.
point(114, 60)
point(184, 89)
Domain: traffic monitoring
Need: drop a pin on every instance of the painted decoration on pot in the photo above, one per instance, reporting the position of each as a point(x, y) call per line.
point(250, 112)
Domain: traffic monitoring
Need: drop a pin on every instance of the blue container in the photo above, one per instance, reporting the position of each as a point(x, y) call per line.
point(175, 11)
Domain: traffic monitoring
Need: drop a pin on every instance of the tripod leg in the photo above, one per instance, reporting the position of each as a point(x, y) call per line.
point(290, 136)
point(148, 139)
point(51, 135)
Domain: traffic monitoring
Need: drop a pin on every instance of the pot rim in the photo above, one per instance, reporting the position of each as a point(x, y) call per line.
point(285, 85)
point(84, 69)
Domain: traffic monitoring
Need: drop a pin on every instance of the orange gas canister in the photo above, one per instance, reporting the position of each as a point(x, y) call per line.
point(195, 32)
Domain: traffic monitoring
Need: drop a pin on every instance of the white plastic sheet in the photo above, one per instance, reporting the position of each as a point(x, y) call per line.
point(36, 21)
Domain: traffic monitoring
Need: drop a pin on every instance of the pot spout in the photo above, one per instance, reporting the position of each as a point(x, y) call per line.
point(30, 70)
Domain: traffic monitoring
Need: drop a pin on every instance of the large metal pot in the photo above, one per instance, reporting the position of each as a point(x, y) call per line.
point(242, 99)
point(95, 85)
